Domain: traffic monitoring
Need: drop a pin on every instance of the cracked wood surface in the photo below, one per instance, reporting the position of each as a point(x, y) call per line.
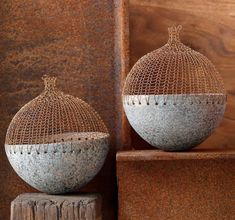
point(38, 206)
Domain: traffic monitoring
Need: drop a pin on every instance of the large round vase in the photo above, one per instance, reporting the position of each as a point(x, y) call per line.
point(174, 97)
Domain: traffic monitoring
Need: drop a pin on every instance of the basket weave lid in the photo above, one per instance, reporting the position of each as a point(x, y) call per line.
point(173, 69)
point(52, 115)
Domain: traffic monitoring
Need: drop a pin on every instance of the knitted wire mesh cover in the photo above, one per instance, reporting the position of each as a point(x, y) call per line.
point(173, 69)
point(54, 117)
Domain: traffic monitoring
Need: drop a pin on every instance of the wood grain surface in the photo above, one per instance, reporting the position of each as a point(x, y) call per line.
point(83, 43)
point(208, 27)
point(38, 206)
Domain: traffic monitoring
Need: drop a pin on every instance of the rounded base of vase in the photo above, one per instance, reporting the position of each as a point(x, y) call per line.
point(58, 168)
point(174, 122)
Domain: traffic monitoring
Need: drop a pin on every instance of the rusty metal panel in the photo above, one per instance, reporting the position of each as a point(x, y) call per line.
point(163, 185)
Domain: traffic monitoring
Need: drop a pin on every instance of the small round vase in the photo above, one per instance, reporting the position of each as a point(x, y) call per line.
point(56, 143)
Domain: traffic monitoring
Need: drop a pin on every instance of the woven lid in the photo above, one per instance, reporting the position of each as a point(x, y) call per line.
point(173, 69)
point(52, 115)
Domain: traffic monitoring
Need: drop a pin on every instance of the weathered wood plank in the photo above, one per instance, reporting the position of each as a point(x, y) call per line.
point(38, 206)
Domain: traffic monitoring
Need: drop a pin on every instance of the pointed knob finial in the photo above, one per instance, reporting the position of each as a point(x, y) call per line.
point(49, 82)
point(174, 33)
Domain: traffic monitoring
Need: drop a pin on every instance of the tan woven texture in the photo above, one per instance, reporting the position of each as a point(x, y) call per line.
point(52, 115)
point(173, 69)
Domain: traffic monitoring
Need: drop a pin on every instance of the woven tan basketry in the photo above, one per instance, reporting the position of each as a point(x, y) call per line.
point(54, 117)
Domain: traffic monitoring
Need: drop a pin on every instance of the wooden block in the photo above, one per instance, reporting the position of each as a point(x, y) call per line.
point(39, 206)
point(187, 185)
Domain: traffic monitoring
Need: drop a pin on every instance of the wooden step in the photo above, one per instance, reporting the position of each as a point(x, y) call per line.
point(194, 185)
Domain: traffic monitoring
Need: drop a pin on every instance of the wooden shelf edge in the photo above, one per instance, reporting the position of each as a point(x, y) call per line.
point(196, 154)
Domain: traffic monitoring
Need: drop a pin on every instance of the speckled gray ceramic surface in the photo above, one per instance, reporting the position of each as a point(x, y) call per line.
point(174, 122)
point(60, 167)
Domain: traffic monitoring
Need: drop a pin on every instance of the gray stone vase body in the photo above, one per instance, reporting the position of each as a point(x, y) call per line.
point(58, 168)
point(174, 122)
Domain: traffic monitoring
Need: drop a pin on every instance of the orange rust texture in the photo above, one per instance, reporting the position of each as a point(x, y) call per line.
point(83, 43)
point(159, 185)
